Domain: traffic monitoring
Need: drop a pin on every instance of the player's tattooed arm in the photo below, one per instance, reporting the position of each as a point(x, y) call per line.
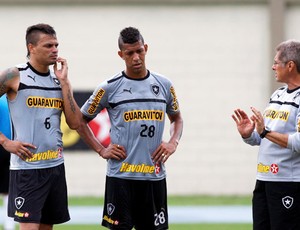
point(7, 79)
point(71, 101)
point(71, 109)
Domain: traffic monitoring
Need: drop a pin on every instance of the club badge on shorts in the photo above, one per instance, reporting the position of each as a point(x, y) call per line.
point(19, 201)
point(287, 201)
point(110, 208)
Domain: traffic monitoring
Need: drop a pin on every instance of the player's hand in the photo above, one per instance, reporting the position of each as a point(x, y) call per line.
point(62, 72)
point(163, 152)
point(21, 149)
point(113, 151)
point(244, 125)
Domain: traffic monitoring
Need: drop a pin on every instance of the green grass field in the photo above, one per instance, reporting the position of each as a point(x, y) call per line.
point(173, 200)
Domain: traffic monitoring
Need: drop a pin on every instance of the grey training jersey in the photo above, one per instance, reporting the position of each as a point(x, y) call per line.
point(35, 115)
point(137, 111)
point(282, 115)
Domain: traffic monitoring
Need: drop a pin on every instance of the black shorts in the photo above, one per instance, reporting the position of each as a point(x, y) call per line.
point(135, 203)
point(38, 196)
point(4, 170)
point(276, 205)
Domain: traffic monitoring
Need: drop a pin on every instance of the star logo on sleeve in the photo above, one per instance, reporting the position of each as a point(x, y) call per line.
point(287, 201)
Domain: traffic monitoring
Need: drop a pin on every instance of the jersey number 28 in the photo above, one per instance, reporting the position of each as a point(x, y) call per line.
point(147, 131)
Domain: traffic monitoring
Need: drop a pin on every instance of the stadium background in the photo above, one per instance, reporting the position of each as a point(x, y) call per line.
point(217, 53)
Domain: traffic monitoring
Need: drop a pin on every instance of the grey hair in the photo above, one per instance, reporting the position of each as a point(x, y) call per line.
point(289, 51)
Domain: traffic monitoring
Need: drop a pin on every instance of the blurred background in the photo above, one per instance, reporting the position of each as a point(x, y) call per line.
point(218, 53)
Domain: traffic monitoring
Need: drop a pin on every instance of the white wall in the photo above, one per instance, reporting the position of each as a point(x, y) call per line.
point(217, 57)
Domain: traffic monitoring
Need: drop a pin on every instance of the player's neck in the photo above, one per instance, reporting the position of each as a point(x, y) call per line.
point(136, 75)
point(39, 67)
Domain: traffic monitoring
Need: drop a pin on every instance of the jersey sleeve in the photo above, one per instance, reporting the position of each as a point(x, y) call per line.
point(253, 140)
point(172, 101)
point(294, 139)
point(96, 102)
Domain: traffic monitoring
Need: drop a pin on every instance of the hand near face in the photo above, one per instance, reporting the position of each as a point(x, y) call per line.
point(62, 71)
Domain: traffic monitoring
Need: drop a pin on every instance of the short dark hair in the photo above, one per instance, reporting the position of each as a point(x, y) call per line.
point(32, 33)
point(129, 35)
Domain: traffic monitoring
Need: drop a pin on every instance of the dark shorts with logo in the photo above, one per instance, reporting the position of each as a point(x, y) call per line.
point(38, 196)
point(276, 205)
point(4, 170)
point(135, 203)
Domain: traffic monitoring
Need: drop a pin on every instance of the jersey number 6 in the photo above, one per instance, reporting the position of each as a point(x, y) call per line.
point(47, 123)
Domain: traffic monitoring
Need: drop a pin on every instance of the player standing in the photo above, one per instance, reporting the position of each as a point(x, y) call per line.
point(138, 102)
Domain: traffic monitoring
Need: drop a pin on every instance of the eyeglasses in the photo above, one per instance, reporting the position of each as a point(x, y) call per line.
point(278, 62)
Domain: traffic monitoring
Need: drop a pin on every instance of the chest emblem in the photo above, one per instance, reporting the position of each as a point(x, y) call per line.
point(297, 95)
point(56, 81)
point(155, 89)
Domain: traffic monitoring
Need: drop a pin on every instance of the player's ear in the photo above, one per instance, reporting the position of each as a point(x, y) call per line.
point(30, 47)
point(120, 53)
point(291, 65)
point(146, 47)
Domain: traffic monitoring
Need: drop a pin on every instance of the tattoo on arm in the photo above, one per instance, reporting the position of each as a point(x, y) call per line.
point(6, 76)
point(72, 105)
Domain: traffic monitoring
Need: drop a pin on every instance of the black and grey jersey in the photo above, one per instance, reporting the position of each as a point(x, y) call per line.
point(137, 111)
point(282, 115)
point(35, 115)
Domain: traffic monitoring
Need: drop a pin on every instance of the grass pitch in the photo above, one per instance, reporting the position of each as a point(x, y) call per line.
point(195, 200)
